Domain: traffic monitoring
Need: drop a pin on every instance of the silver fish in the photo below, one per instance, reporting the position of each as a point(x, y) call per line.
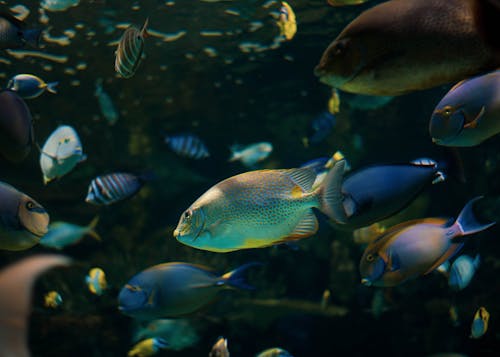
point(108, 189)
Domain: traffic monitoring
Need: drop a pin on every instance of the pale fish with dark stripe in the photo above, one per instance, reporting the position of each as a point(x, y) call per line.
point(130, 50)
point(187, 145)
point(109, 189)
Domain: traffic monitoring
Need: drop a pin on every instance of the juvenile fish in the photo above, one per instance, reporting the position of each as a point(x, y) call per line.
point(96, 281)
point(29, 86)
point(62, 234)
point(287, 22)
point(187, 145)
point(130, 50)
point(251, 154)
point(480, 323)
point(52, 299)
point(14, 34)
point(111, 188)
point(462, 271)
point(108, 109)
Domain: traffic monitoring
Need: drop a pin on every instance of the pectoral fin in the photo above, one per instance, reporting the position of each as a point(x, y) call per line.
point(474, 123)
point(307, 226)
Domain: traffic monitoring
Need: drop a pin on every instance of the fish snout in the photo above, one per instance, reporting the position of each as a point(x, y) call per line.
point(177, 233)
point(366, 282)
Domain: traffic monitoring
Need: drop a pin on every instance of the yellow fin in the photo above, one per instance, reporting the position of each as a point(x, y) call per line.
point(307, 226)
point(297, 192)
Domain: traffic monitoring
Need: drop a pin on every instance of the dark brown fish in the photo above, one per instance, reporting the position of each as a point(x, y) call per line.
point(16, 127)
point(401, 46)
point(130, 50)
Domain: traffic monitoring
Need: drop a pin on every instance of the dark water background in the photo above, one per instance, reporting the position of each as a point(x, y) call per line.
point(259, 97)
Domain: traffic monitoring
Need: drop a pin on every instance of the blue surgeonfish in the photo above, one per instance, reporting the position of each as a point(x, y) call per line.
point(14, 34)
point(469, 113)
point(148, 347)
point(29, 86)
point(250, 155)
point(23, 221)
point(62, 234)
point(16, 284)
point(480, 323)
point(61, 153)
point(130, 50)
point(111, 188)
point(462, 271)
point(220, 349)
point(258, 209)
point(416, 247)
point(187, 145)
point(377, 192)
point(175, 289)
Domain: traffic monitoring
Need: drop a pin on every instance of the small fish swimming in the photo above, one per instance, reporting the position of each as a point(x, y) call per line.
point(108, 109)
point(23, 221)
point(453, 314)
point(14, 34)
point(180, 333)
point(462, 271)
point(96, 281)
point(220, 348)
point(325, 299)
point(58, 5)
point(187, 145)
point(258, 209)
point(29, 86)
point(345, 2)
point(62, 234)
point(130, 50)
point(274, 352)
point(320, 127)
point(469, 113)
point(250, 155)
point(61, 153)
point(287, 22)
point(480, 323)
point(416, 247)
point(176, 289)
point(16, 127)
point(52, 299)
point(111, 188)
point(334, 102)
point(148, 347)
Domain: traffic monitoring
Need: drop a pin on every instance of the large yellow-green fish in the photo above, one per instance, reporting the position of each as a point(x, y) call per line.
point(259, 208)
point(400, 46)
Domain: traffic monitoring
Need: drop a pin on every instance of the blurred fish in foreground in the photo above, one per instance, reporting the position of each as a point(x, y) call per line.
point(469, 113)
point(333, 104)
point(187, 145)
point(96, 281)
point(287, 22)
point(220, 348)
point(345, 2)
point(274, 352)
point(14, 34)
point(176, 289)
point(148, 347)
point(52, 299)
point(108, 109)
point(23, 221)
point(58, 5)
point(462, 271)
point(251, 154)
point(16, 283)
point(111, 188)
point(61, 153)
point(130, 50)
point(62, 234)
point(29, 86)
point(180, 333)
point(416, 247)
point(480, 323)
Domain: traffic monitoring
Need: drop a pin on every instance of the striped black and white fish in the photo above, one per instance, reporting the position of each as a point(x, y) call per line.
point(187, 145)
point(130, 50)
point(109, 189)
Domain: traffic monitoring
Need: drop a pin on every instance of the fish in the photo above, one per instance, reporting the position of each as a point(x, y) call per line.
point(220, 348)
point(345, 2)
point(462, 271)
point(62, 234)
point(115, 187)
point(61, 153)
point(130, 50)
point(108, 109)
point(148, 347)
point(29, 86)
point(320, 127)
point(251, 154)
point(334, 102)
point(366, 235)
point(52, 299)
point(325, 299)
point(416, 247)
point(176, 289)
point(322, 165)
point(16, 283)
point(366, 102)
point(180, 333)
point(58, 5)
point(376, 54)
point(468, 114)
point(187, 145)
point(376, 192)
point(274, 352)
point(258, 209)
point(23, 221)
point(96, 281)
point(287, 22)
point(480, 323)
point(453, 314)
point(14, 34)
point(16, 127)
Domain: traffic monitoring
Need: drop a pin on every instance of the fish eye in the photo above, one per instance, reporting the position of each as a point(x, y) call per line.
point(188, 214)
point(447, 111)
point(30, 205)
point(340, 47)
point(370, 257)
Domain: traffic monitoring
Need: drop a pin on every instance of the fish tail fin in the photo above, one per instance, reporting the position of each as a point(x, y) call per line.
point(92, 231)
point(467, 220)
point(51, 87)
point(330, 193)
point(144, 30)
point(236, 278)
point(32, 37)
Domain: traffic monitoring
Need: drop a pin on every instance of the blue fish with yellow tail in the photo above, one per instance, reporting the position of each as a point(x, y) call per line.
point(176, 289)
point(480, 323)
point(469, 113)
point(462, 271)
point(258, 209)
point(62, 234)
point(148, 347)
point(416, 247)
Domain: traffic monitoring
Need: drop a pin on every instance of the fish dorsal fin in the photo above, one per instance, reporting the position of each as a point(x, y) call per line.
point(458, 84)
point(306, 227)
point(303, 177)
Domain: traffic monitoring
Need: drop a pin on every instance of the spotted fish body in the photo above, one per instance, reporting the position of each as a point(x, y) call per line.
point(109, 189)
point(130, 50)
point(187, 145)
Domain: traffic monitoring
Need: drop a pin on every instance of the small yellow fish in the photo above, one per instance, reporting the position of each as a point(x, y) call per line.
point(96, 281)
point(147, 347)
point(219, 349)
point(325, 299)
point(334, 102)
point(480, 323)
point(52, 299)
point(366, 235)
point(286, 21)
point(453, 313)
